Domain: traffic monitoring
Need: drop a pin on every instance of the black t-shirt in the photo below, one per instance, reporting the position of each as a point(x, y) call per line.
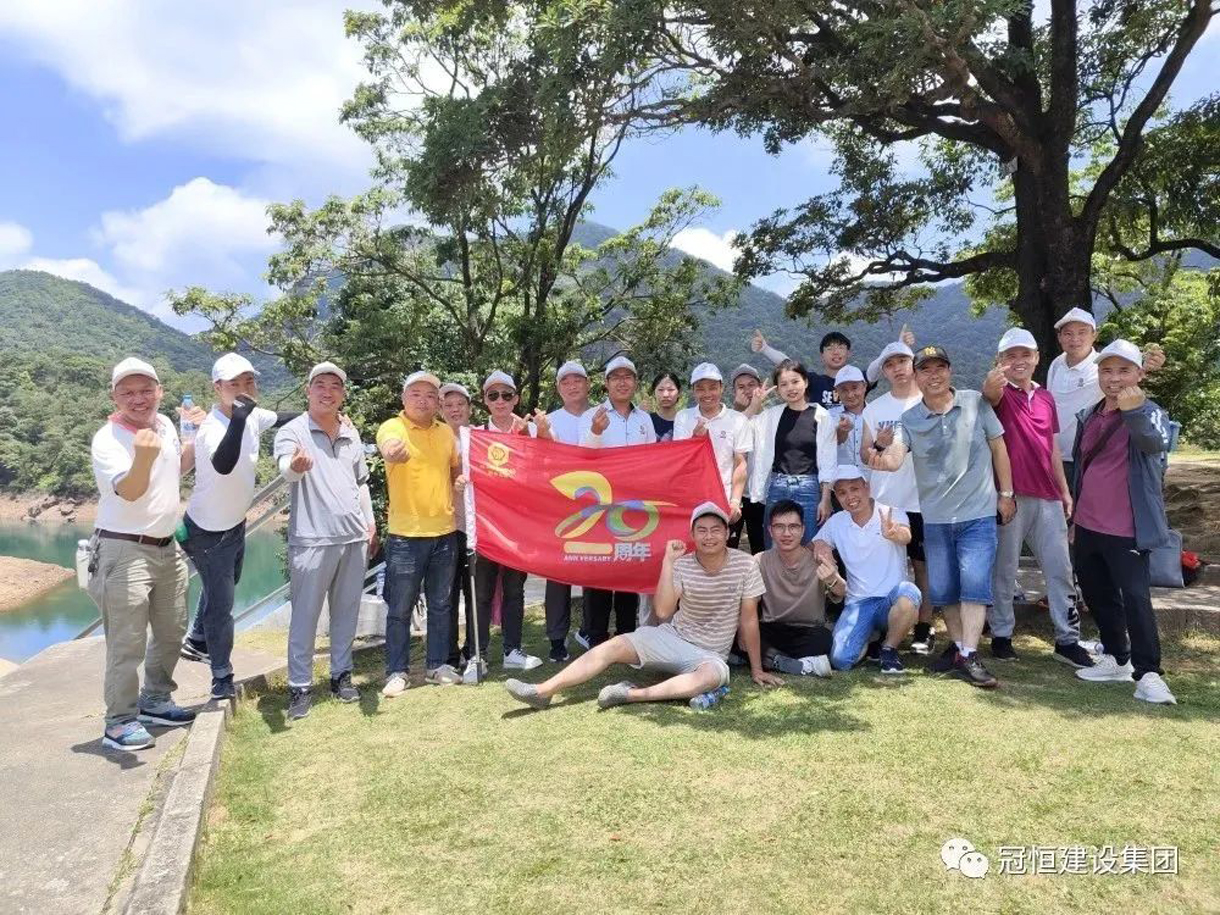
point(796, 442)
point(663, 427)
point(821, 390)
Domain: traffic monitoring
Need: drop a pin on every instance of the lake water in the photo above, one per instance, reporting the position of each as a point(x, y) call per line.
point(62, 613)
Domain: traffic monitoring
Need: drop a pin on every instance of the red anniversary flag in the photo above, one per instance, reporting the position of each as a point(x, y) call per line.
point(596, 517)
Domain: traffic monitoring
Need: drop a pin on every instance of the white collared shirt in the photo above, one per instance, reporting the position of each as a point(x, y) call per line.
point(154, 514)
point(565, 426)
point(634, 429)
point(1074, 388)
point(730, 432)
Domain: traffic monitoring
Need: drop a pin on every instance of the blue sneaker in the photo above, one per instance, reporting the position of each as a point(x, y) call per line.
point(167, 714)
point(890, 662)
point(129, 736)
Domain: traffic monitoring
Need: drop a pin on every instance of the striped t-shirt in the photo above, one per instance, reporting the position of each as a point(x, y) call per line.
point(710, 602)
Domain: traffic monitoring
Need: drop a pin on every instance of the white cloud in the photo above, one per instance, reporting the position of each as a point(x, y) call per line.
point(705, 244)
point(90, 271)
point(15, 241)
point(259, 82)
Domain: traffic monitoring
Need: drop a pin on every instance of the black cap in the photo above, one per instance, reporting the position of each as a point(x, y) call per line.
point(928, 353)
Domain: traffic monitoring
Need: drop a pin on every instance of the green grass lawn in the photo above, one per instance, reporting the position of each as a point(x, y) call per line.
point(822, 796)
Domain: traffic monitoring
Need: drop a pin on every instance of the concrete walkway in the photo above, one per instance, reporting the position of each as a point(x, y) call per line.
point(70, 806)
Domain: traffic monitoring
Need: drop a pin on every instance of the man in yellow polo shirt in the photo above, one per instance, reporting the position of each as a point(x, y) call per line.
point(422, 461)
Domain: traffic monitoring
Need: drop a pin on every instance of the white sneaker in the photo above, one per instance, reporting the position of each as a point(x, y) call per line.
point(1153, 688)
point(1092, 646)
point(396, 685)
point(519, 660)
point(475, 672)
point(582, 640)
point(1106, 669)
point(818, 665)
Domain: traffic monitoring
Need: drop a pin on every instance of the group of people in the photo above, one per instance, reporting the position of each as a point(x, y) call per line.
point(919, 499)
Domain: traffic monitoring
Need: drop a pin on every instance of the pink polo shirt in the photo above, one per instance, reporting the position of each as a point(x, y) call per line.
point(1030, 422)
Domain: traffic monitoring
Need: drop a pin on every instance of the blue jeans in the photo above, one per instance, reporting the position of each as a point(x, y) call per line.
point(861, 618)
point(217, 556)
point(802, 489)
point(961, 558)
point(413, 564)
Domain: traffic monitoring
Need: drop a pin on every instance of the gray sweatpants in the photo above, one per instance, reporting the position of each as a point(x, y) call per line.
point(334, 574)
point(1041, 524)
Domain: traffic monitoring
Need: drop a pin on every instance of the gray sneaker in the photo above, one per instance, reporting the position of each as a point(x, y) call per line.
point(775, 660)
point(527, 693)
point(614, 694)
point(443, 676)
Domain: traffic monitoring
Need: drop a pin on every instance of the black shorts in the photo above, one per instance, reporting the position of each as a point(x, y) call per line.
point(915, 547)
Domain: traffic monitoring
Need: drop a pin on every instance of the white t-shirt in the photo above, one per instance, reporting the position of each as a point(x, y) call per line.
point(565, 426)
point(220, 501)
point(634, 429)
point(874, 565)
point(730, 433)
point(1074, 389)
point(530, 429)
point(154, 514)
point(895, 488)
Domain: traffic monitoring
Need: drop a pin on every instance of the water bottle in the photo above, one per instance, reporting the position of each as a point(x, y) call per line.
point(186, 428)
point(82, 563)
point(704, 701)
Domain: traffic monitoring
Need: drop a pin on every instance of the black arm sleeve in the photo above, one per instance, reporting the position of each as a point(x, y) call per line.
point(225, 457)
point(283, 418)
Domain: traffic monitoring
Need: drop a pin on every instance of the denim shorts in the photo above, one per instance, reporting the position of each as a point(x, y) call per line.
point(961, 557)
point(861, 618)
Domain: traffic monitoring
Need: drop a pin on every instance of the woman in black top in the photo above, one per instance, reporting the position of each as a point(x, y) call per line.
point(666, 389)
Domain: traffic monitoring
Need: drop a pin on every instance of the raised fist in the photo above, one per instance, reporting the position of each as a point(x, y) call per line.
point(674, 549)
point(147, 444)
point(243, 406)
point(700, 428)
point(1154, 357)
point(1131, 398)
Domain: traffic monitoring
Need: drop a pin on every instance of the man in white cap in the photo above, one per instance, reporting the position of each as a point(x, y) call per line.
point(1072, 375)
point(897, 489)
point(500, 396)
point(1027, 412)
point(456, 410)
point(1119, 516)
point(730, 432)
point(744, 381)
point(572, 385)
point(137, 575)
point(871, 540)
point(226, 458)
point(422, 461)
point(718, 590)
point(330, 531)
point(615, 423)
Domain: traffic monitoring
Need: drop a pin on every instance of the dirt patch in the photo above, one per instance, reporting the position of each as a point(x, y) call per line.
point(46, 509)
point(1192, 499)
point(22, 580)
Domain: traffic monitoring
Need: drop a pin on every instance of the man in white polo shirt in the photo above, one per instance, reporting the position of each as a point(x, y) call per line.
point(226, 452)
point(138, 575)
point(572, 383)
point(731, 434)
point(702, 600)
point(614, 424)
point(744, 381)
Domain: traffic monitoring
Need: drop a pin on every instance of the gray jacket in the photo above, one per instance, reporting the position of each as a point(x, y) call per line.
point(1148, 427)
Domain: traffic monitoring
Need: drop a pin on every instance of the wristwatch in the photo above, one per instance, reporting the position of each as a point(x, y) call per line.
point(1006, 494)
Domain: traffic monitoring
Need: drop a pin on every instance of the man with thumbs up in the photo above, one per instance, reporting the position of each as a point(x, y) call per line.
point(330, 530)
point(729, 431)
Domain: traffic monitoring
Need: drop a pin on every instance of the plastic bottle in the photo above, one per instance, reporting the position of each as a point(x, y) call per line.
point(82, 563)
point(704, 701)
point(186, 428)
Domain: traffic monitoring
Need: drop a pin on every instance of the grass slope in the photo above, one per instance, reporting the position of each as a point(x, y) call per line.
point(830, 795)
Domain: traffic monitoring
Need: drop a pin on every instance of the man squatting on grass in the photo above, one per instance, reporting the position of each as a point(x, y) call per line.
point(719, 590)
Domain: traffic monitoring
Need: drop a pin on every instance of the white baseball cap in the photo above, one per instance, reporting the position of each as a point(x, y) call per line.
point(708, 508)
point(1077, 314)
point(848, 374)
point(897, 348)
point(745, 369)
point(1123, 349)
point(498, 377)
point(230, 365)
point(1017, 336)
point(452, 387)
point(327, 368)
point(621, 362)
point(706, 371)
point(571, 367)
point(848, 472)
point(132, 366)
point(421, 375)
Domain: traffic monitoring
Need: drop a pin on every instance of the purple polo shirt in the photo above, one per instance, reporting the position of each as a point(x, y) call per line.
point(1030, 424)
point(1103, 501)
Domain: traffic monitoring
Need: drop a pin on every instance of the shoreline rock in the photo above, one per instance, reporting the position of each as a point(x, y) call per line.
point(24, 580)
point(46, 509)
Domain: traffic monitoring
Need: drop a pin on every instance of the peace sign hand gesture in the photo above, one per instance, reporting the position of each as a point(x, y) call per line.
point(889, 530)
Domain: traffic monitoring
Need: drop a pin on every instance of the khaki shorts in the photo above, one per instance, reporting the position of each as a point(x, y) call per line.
point(661, 648)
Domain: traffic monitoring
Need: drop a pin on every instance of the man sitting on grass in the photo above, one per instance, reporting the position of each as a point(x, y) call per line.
point(719, 590)
point(871, 539)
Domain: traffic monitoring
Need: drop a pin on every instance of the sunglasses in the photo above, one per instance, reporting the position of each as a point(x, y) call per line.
point(493, 396)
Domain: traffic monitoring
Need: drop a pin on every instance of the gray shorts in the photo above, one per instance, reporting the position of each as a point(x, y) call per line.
point(661, 648)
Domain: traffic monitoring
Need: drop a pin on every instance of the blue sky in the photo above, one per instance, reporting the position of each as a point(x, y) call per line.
point(142, 142)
